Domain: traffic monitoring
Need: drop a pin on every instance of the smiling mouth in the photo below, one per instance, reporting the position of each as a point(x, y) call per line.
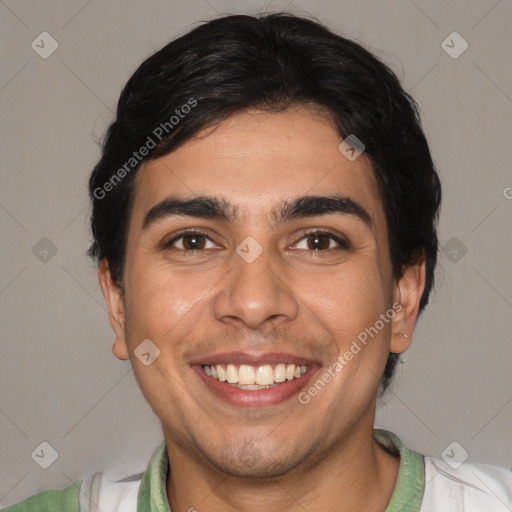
point(246, 378)
point(252, 377)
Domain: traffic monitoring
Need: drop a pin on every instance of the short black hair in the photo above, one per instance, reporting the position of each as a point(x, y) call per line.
point(270, 62)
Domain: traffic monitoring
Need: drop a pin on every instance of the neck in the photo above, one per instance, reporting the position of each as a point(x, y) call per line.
point(355, 474)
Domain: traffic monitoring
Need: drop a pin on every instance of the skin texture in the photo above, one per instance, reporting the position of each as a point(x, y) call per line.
point(293, 299)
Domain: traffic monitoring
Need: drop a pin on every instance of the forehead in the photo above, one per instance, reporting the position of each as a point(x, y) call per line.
point(256, 160)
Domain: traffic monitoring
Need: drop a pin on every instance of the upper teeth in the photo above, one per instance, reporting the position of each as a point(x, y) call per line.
point(264, 375)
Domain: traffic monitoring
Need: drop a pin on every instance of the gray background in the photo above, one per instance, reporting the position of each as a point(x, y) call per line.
point(59, 381)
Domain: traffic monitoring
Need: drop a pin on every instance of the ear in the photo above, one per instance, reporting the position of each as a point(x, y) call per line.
point(408, 291)
point(116, 313)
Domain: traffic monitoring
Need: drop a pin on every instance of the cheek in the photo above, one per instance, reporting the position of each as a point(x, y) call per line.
point(164, 304)
point(347, 300)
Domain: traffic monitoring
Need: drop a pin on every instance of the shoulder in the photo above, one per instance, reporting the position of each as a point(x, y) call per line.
point(95, 492)
point(107, 493)
point(65, 500)
point(476, 487)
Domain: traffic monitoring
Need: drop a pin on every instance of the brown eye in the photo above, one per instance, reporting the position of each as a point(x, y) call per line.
point(190, 241)
point(318, 242)
point(194, 242)
point(322, 241)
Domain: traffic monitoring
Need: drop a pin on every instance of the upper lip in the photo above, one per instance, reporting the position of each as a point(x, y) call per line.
point(252, 358)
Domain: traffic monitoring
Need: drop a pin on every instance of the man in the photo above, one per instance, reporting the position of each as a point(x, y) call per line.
point(264, 218)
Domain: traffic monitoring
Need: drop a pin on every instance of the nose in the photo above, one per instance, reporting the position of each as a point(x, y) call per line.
point(255, 295)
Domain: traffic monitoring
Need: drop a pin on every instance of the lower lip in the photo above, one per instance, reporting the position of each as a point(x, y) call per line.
point(257, 397)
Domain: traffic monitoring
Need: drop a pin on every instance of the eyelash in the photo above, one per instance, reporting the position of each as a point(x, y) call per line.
point(168, 245)
point(342, 243)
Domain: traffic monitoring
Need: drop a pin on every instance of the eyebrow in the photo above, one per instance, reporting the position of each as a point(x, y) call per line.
point(203, 207)
point(206, 207)
point(309, 206)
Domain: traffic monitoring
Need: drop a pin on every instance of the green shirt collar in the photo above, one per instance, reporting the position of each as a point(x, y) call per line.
point(152, 495)
point(407, 495)
point(410, 482)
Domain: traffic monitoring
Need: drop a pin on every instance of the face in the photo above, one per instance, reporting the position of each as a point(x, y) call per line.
point(258, 253)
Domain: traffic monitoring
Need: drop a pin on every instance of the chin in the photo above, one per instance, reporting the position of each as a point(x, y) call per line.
point(249, 462)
